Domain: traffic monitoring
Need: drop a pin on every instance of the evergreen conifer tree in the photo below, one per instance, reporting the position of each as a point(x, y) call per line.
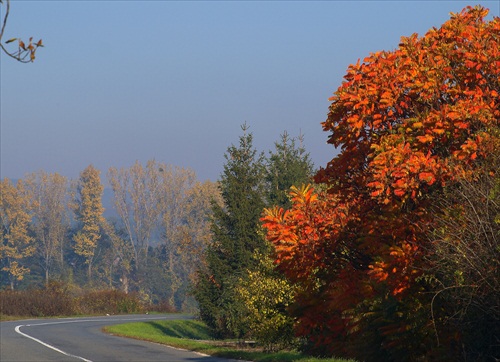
point(236, 236)
point(288, 165)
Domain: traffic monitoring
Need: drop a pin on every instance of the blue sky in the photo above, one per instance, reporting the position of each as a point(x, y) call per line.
point(120, 81)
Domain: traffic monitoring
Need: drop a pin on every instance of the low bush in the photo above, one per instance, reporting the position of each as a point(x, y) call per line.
point(61, 300)
point(51, 301)
point(162, 307)
point(108, 302)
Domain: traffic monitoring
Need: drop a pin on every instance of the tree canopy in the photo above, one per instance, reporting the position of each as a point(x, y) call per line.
point(408, 123)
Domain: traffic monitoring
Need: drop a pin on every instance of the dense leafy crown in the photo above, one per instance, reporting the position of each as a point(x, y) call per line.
point(403, 118)
point(407, 123)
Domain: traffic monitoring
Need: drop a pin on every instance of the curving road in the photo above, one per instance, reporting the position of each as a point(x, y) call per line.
point(81, 339)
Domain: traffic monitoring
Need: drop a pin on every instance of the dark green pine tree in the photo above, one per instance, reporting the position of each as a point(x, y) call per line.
point(236, 236)
point(289, 164)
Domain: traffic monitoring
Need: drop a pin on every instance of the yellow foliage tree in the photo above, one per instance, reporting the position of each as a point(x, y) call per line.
point(16, 245)
point(89, 213)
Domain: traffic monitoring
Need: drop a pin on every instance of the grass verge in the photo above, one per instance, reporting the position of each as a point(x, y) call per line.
point(194, 336)
point(6, 318)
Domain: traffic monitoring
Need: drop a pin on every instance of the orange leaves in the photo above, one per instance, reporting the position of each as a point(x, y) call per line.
point(304, 195)
point(25, 53)
point(417, 125)
point(378, 271)
point(427, 177)
point(396, 267)
point(397, 169)
point(302, 236)
point(427, 138)
point(423, 93)
point(453, 115)
point(468, 150)
point(406, 122)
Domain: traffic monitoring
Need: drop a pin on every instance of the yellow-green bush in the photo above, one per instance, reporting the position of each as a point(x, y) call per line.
point(265, 296)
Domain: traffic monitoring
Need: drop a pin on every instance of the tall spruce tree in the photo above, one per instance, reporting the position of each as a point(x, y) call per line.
point(288, 165)
point(236, 236)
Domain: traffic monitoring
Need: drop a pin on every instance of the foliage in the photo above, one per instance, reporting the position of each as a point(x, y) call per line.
point(262, 294)
point(24, 53)
point(185, 229)
point(50, 218)
point(407, 122)
point(289, 164)
point(108, 302)
point(54, 300)
point(58, 299)
point(15, 215)
point(164, 221)
point(40, 237)
point(266, 296)
point(236, 236)
point(88, 210)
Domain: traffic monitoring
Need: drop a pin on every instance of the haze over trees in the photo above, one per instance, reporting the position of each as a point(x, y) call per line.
point(155, 242)
point(388, 253)
point(50, 219)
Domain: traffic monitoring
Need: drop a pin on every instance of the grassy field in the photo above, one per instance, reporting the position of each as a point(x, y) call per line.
point(194, 336)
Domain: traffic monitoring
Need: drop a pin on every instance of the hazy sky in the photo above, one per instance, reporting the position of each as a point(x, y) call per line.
point(120, 81)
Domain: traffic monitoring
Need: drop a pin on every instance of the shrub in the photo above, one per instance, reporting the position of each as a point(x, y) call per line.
point(59, 299)
point(51, 301)
point(108, 302)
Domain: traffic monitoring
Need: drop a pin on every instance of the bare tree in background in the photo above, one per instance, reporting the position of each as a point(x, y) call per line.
point(196, 234)
point(51, 221)
point(137, 202)
point(163, 210)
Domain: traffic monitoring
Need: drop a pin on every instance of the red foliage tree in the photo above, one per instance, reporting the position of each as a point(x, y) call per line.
point(407, 123)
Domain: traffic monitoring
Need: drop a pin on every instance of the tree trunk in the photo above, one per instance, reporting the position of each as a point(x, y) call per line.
point(124, 280)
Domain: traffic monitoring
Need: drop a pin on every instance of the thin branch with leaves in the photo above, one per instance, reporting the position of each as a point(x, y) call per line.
point(25, 53)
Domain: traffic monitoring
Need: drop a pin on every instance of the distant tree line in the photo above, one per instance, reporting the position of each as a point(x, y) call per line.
point(54, 229)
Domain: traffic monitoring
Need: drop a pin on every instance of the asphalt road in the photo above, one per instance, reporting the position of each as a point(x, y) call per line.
point(81, 339)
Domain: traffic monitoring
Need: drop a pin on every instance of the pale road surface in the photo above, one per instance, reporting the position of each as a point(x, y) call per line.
point(81, 339)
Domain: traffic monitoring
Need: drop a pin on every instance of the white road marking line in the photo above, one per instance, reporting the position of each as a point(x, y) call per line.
point(92, 320)
point(18, 330)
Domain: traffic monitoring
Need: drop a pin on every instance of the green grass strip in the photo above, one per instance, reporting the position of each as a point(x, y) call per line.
point(194, 336)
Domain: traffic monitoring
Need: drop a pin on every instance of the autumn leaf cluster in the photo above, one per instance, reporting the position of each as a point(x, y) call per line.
point(409, 124)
